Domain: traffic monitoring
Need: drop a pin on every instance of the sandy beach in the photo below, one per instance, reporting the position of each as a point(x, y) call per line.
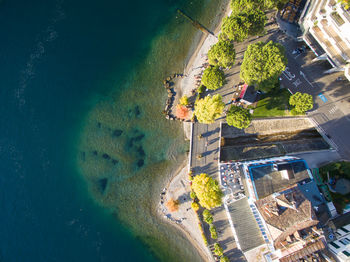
point(178, 187)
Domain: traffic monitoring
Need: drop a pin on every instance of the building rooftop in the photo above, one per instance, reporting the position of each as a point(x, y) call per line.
point(305, 252)
point(286, 212)
point(268, 180)
point(340, 221)
point(246, 227)
point(249, 95)
point(311, 192)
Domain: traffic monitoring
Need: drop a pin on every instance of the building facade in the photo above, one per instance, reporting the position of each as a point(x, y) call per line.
point(326, 30)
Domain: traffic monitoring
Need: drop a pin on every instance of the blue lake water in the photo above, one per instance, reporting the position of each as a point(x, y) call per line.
point(84, 149)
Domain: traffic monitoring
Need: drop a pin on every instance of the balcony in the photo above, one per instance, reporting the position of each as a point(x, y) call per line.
point(337, 19)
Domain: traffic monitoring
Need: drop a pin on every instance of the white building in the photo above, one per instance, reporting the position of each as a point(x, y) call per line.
point(326, 30)
point(341, 246)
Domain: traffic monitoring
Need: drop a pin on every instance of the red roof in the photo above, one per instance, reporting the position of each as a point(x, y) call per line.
point(244, 88)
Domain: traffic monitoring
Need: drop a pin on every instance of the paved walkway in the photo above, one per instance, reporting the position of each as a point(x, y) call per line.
point(208, 145)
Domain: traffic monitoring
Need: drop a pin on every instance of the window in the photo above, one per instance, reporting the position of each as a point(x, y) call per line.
point(346, 253)
point(344, 241)
point(334, 244)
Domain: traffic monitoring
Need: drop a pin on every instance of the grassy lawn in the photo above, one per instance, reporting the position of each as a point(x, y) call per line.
point(273, 104)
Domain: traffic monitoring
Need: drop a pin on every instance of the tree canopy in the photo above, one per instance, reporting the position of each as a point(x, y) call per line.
point(218, 250)
point(302, 102)
point(172, 205)
point(213, 77)
point(345, 3)
point(238, 117)
point(224, 259)
point(184, 101)
point(207, 216)
point(182, 112)
point(238, 6)
point(240, 26)
point(207, 190)
point(209, 108)
point(222, 54)
point(262, 64)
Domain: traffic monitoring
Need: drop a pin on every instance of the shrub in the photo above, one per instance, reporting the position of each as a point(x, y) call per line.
point(213, 233)
point(218, 250)
point(224, 259)
point(193, 194)
point(172, 205)
point(184, 100)
point(201, 89)
point(207, 216)
point(181, 111)
point(195, 206)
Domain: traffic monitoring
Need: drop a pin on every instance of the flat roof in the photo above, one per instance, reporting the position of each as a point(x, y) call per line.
point(250, 94)
point(311, 192)
point(246, 227)
point(267, 180)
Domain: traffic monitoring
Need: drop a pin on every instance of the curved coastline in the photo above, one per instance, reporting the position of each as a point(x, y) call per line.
point(188, 224)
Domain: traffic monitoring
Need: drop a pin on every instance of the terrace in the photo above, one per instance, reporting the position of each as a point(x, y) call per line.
point(267, 180)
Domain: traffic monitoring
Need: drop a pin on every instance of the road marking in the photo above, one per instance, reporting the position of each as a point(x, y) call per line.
point(297, 82)
point(288, 74)
point(323, 98)
point(332, 110)
point(303, 75)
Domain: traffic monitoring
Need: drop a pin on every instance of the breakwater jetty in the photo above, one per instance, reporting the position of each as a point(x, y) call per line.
point(195, 23)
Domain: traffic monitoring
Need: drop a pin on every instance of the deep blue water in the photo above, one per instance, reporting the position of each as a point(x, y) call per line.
point(58, 60)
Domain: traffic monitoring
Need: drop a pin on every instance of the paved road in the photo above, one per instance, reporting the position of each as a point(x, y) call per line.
point(331, 97)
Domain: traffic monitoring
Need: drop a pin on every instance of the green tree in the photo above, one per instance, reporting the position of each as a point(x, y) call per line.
point(213, 77)
point(213, 233)
point(209, 108)
point(207, 216)
point(222, 54)
point(207, 190)
point(238, 117)
point(193, 194)
point(195, 206)
point(302, 102)
point(345, 3)
point(238, 6)
point(240, 26)
point(218, 250)
point(224, 259)
point(262, 64)
point(184, 100)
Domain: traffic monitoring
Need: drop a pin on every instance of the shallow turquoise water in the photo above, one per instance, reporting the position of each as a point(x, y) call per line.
point(79, 77)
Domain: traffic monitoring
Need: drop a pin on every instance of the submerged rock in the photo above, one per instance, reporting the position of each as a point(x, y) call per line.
point(106, 156)
point(103, 184)
point(140, 163)
point(137, 111)
point(117, 132)
point(140, 151)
